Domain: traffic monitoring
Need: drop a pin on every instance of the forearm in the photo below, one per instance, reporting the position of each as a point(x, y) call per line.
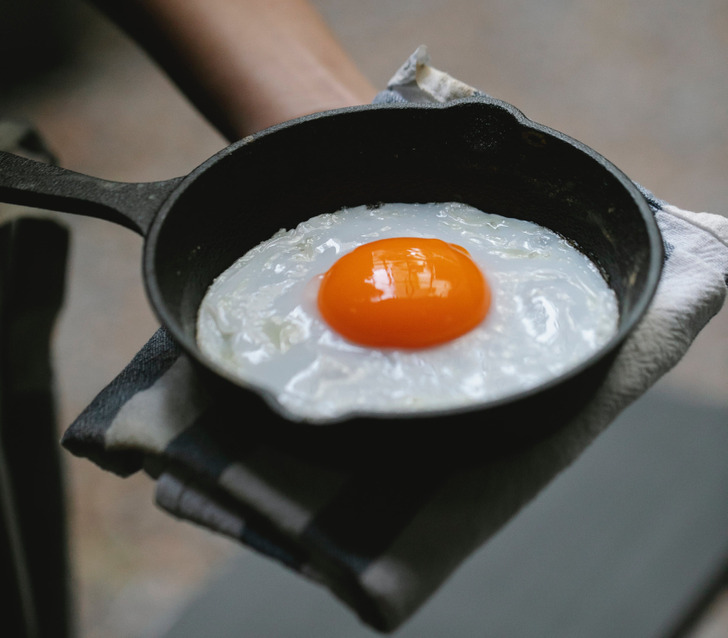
point(245, 64)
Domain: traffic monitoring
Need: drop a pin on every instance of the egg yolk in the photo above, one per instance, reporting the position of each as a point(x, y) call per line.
point(404, 292)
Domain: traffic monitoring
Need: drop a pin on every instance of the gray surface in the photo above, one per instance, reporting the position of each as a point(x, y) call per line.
point(621, 544)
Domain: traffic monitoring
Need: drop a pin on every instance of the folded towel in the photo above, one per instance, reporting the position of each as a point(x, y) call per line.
point(381, 536)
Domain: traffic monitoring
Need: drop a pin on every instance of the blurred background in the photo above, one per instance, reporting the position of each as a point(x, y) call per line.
point(644, 82)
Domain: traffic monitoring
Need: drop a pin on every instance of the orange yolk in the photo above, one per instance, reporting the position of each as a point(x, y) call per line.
point(404, 292)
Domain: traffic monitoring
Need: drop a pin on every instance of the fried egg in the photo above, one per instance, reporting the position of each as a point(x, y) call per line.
point(403, 308)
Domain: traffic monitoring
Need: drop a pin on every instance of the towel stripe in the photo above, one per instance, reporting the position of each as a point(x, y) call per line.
point(371, 511)
point(205, 449)
point(85, 437)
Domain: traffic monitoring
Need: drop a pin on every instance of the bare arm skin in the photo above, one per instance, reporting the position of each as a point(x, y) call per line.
point(245, 64)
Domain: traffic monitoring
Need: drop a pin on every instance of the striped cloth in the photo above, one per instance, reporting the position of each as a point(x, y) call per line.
point(381, 534)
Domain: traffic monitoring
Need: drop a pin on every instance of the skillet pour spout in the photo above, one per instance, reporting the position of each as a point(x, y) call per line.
point(479, 151)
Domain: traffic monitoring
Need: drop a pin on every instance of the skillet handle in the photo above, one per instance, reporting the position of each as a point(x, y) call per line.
point(27, 182)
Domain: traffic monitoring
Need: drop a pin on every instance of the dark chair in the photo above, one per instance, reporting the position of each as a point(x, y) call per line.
point(33, 554)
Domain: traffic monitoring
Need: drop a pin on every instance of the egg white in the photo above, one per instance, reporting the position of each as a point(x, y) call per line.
point(550, 310)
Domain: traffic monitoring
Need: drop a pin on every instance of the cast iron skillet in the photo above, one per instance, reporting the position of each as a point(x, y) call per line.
point(480, 151)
